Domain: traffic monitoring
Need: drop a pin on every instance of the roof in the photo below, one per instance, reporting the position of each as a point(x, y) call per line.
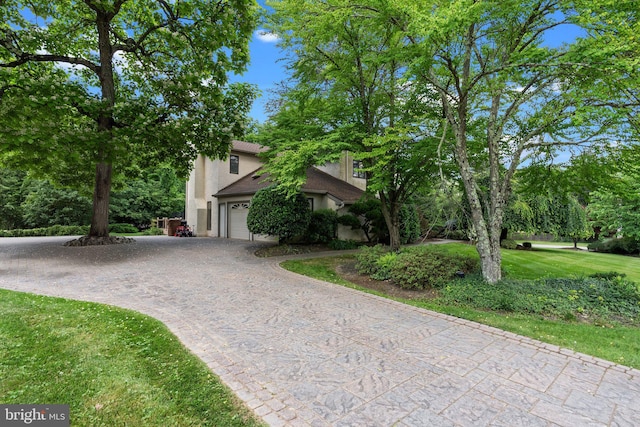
point(247, 147)
point(318, 182)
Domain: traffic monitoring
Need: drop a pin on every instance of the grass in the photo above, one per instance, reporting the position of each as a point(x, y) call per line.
point(563, 263)
point(112, 366)
point(552, 262)
point(616, 343)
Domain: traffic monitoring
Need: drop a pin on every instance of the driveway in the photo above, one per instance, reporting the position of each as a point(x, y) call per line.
point(302, 352)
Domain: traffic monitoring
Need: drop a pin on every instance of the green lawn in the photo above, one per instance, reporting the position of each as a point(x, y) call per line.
point(112, 366)
point(552, 262)
point(562, 262)
point(616, 343)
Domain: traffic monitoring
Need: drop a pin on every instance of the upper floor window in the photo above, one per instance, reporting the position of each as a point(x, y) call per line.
point(234, 164)
point(357, 169)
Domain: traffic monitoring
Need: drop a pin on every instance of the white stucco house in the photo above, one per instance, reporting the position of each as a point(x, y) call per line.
point(219, 192)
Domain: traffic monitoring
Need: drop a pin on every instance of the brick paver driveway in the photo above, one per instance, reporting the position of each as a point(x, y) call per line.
point(302, 352)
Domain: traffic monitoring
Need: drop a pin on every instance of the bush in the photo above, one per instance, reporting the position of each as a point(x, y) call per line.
point(350, 220)
point(323, 226)
point(586, 297)
point(384, 266)
point(609, 275)
point(275, 214)
point(424, 267)
point(621, 246)
point(56, 230)
point(122, 228)
point(367, 258)
point(153, 231)
point(509, 244)
point(409, 224)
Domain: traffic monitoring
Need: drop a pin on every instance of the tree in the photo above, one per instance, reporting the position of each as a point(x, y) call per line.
point(12, 196)
point(276, 213)
point(366, 215)
point(157, 193)
point(505, 92)
point(553, 209)
point(576, 225)
point(119, 82)
point(349, 94)
point(616, 209)
point(47, 205)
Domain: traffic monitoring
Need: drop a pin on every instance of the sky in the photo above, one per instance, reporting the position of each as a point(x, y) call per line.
point(265, 69)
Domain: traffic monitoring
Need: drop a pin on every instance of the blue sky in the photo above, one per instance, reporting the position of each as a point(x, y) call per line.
point(264, 70)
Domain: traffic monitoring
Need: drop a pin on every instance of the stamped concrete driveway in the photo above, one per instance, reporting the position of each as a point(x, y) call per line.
point(303, 352)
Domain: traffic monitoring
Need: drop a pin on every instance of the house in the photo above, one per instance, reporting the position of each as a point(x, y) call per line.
point(219, 192)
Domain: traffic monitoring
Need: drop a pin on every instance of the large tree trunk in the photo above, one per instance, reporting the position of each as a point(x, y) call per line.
point(101, 192)
point(102, 189)
point(488, 230)
point(488, 248)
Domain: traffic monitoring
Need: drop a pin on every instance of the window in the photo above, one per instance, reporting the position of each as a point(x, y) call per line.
point(310, 200)
point(234, 164)
point(208, 215)
point(357, 169)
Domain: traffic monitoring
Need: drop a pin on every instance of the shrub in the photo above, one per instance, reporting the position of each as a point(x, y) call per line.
point(509, 244)
point(350, 220)
point(56, 230)
point(526, 245)
point(367, 258)
point(153, 231)
point(273, 213)
point(384, 265)
point(595, 246)
point(424, 267)
point(323, 226)
point(621, 246)
point(567, 298)
point(122, 228)
point(409, 224)
point(609, 275)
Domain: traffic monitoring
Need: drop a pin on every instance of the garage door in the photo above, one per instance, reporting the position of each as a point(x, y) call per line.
point(238, 212)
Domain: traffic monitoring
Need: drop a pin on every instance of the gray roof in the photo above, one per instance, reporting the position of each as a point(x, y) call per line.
point(247, 147)
point(318, 182)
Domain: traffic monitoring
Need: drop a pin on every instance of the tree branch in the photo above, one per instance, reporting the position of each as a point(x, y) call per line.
point(28, 57)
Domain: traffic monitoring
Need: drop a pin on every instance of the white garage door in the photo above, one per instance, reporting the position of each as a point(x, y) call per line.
point(238, 212)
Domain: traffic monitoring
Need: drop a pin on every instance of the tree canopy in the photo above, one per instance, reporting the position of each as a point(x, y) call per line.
point(86, 85)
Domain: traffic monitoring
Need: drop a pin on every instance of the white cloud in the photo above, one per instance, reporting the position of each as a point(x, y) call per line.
point(265, 36)
point(120, 62)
